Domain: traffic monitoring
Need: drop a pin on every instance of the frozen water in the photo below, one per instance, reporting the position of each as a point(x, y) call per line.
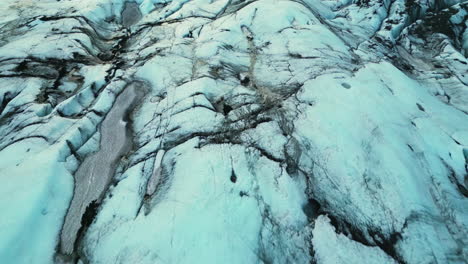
point(268, 131)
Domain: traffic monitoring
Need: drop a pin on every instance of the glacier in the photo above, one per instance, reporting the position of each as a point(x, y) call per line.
point(233, 131)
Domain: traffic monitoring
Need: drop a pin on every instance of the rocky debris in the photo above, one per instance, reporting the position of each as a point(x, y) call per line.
point(131, 14)
point(96, 171)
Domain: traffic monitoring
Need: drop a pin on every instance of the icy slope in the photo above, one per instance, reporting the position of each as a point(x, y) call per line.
point(230, 131)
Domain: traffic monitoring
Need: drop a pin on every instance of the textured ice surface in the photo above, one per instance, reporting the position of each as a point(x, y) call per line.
point(270, 131)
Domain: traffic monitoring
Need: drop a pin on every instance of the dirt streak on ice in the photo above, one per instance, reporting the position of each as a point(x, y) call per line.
point(95, 173)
